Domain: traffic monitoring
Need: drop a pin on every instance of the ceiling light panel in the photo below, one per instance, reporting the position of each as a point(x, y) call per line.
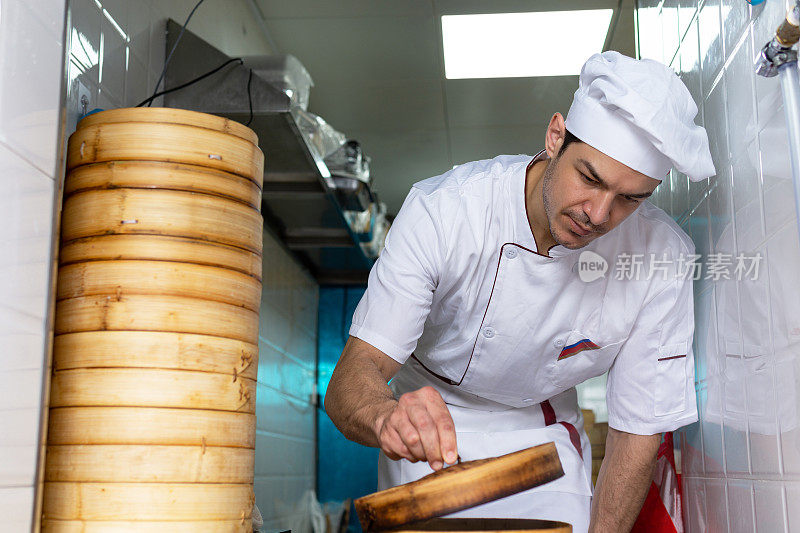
point(515, 45)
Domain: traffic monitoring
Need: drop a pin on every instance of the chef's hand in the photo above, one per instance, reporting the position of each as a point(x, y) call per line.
point(418, 427)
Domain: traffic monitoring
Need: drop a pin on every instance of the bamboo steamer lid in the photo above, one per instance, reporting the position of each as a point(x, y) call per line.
point(149, 464)
point(171, 115)
point(149, 425)
point(147, 501)
point(459, 487)
point(161, 248)
point(149, 387)
point(484, 525)
point(159, 175)
point(161, 212)
point(154, 349)
point(140, 526)
point(166, 142)
point(174, 314)
point(123, 278)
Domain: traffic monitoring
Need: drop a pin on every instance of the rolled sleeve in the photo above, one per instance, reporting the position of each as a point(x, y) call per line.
point(651, 383)
point(393, 310)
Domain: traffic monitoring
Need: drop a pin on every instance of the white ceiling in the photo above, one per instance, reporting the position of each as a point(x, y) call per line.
point(379, 78)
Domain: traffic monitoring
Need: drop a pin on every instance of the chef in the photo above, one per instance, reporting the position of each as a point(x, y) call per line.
point(491, 301)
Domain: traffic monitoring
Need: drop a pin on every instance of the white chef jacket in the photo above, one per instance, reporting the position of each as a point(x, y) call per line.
point(505, 333)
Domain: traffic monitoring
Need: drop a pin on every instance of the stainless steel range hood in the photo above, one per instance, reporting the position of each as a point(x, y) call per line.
point(299, 200)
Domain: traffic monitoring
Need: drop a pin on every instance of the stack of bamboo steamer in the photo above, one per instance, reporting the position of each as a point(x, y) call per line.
point(597, 433)
point(152, 401)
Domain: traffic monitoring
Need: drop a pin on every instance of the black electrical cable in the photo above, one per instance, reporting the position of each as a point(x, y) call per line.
point(250, 97)
point(207, 74)
point(169, 57)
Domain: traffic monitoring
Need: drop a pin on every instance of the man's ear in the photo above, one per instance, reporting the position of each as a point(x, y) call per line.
point(554, 137)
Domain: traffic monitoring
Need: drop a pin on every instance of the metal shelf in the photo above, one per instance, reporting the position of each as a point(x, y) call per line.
point(299, 201)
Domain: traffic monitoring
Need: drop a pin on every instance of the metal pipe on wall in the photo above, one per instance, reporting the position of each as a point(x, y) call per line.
point(790, 87)
point(778, 58)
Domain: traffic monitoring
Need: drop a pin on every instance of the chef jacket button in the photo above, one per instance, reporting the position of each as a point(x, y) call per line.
point(528, 400)
point(488, 332)
point(558, 343)
point(511, 253)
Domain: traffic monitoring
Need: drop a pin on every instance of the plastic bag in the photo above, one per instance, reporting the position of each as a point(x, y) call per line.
point(320, 136)
point(349, 161)
point(258, 520)
point(309, 517)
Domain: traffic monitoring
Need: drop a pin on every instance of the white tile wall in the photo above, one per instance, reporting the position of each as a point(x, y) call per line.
point(117, 50)
point(285, 408)
point(741, 462)
point(31, 59)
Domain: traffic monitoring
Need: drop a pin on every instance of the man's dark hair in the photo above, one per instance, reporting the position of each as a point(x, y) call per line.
point(569, 138)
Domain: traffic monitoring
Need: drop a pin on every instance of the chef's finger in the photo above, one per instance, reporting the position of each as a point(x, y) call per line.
point(445, 429)
point(408, 434)
point(392, 445)
point(429, 435)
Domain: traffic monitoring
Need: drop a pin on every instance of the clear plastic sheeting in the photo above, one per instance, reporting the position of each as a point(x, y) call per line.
point(321, 137)
point(285, 73)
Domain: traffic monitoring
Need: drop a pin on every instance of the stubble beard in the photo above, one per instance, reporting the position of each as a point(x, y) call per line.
point(547, 199)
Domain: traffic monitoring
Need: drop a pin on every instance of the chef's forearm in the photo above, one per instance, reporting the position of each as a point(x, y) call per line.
point(358, 397)
point(624, 479)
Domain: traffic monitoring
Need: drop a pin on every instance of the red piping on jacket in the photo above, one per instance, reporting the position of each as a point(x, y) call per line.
point(494, 282)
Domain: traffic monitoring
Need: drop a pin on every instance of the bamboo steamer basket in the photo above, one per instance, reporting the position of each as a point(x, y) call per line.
point(161, 248)
point(152, 387)
point(152, 424)
point(153, 349)
point(173, 116)
point(123, 277)
point(139, 526)
point(158, 175)
point(156, 313)
point(98, 141)
point(161, 212)
point(460, 487)
point(147, 501)
point(149, 425)
point(148, 463)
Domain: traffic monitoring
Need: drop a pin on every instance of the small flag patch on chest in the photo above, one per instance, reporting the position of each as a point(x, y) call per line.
point(576, 348)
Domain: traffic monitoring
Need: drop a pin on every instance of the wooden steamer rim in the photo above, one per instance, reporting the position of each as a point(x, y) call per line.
point(173, 314)
point(150, 425)
point(161, 212)
point(141, 526)
point(170, 115)
point(147, 501)
point(155, 349)
point(152, 387)
point(459, 487)
point(160, 175)
point(164, 142)
point(149, 464)
point(161, 248)
point(125, 277)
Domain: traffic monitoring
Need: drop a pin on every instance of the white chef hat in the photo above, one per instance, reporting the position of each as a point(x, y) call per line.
point(640, 113)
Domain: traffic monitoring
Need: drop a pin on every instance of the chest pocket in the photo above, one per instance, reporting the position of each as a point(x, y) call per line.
point(581, 358)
